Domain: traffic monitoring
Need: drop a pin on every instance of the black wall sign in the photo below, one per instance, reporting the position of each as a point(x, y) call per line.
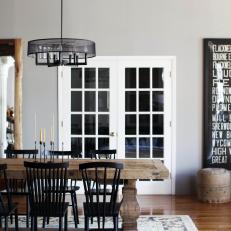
point(217, 103)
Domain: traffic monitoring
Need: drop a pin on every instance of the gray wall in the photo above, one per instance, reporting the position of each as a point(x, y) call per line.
point(124, 27)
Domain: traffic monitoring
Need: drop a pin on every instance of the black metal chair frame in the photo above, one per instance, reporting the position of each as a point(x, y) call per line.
point(103, 154)
point(46, 184)
point(73, 184)
point(19, 187)
point(108, 205)
point(7, 208)
point(24, 153)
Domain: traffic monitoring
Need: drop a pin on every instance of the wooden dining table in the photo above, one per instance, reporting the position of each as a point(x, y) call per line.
point(134, 169)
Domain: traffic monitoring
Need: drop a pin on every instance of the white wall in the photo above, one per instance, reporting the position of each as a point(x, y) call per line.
point(124, 27)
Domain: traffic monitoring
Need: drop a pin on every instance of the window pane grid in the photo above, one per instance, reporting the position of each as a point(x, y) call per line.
point(96, 110)
point(155, 106)
point(90, 85)
point(137, 118)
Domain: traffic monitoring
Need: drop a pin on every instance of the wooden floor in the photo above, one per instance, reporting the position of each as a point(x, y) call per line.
point(207, 217)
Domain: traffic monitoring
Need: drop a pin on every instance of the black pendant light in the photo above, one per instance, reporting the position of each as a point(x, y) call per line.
point(61, 51)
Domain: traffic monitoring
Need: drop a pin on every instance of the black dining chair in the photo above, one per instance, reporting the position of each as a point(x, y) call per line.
point(104, 205)
point(21, 153)
point(103, 154)
point(99, 155)
point(18, 187)
point(7, 208)
point(46, 184)
point(72, 187)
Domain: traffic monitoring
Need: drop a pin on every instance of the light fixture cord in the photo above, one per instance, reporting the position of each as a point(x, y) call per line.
point(61, 19)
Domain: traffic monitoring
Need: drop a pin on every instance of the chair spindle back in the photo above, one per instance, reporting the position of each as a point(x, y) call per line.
point(46, 182)
point(100, 172)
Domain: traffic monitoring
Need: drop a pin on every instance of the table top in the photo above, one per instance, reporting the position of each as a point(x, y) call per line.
point(133, 168)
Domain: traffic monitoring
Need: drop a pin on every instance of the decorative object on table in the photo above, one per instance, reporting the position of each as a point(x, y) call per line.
point(213, 185)
point(35, 129)
point(108, 206)
point(51, 152)
point(10, 128)
point(50, 201)
point(61, 51)
point(42, 146)
point(217, 103)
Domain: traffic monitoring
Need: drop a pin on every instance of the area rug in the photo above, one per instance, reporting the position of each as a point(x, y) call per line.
point(145, 223)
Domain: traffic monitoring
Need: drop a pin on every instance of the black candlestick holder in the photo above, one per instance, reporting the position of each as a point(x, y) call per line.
point(52, 144)
point(40, 150)
point(62, 150)
point(35, 147)
point(44, 151)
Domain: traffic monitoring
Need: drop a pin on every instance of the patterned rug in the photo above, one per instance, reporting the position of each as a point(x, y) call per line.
point(145, 223)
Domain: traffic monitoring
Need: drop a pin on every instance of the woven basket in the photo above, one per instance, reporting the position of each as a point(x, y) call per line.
point(213, 185)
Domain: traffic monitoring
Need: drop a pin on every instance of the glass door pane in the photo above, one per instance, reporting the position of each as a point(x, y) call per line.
point(145, 108)
point(91, 108)
point(121, 103)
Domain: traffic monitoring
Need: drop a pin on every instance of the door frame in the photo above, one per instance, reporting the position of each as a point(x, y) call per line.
point(172, 60)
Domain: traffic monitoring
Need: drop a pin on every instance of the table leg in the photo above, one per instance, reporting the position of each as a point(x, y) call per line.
point(130, 209)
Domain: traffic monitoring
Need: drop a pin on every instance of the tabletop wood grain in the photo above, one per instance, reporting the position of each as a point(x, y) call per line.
point(133, 169)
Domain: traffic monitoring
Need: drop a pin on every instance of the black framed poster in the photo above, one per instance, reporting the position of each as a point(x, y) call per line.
point(217, 103)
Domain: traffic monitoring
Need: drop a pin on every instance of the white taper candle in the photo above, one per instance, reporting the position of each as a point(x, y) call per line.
point(35, 126)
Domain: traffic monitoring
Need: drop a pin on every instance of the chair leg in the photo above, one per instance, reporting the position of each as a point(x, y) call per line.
point(35, 223)
point(66, 221)
point(86, 223)
point(115, 223)
point(6, 223)
point(27, 212)
point(44, 221)
point(11, 218)
point(32, 223)
point(73, 209)
point(92, 197)
point(76, 208)
point(16, 219)
point(60, 223)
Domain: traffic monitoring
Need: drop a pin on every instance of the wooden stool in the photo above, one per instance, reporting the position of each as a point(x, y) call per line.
point(213, 185)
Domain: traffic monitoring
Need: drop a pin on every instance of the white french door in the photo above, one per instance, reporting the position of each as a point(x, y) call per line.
point(123, 103)
point(88, 116)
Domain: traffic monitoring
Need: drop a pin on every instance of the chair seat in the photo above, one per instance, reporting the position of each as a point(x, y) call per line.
point(7, 210)
point(95, 211)
point(68, 189)
point(49, 209)
point(100, 191)
point(71, 189)
point(16, 193)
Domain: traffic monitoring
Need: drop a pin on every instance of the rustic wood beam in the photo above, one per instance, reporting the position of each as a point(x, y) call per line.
point(18, 93)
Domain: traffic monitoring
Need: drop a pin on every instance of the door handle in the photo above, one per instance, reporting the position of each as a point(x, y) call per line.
point(112, 134)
